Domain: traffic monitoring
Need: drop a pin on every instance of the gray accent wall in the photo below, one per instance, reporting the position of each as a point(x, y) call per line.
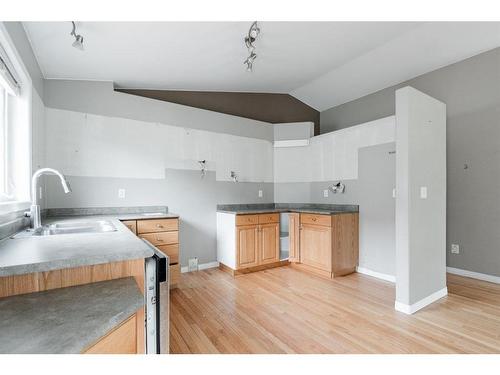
point(373, 192)
point(183, 191)
point(471, 91)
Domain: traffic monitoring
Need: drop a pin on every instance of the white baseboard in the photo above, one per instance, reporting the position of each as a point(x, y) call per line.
point(474, 275)
point(378, 275)
point(202, 266)
point(410, 309)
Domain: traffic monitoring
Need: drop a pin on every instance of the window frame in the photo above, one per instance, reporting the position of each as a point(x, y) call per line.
point(16, 125)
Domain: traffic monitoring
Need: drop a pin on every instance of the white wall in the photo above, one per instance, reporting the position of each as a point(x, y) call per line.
point(331, 156)
point(420, 221)
point(82, 144)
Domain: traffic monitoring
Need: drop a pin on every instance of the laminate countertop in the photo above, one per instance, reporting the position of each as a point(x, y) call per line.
point(320, 209)
point(66, 320)
point(47, 253)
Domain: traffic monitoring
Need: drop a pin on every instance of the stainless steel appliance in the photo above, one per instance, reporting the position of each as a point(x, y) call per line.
point(157, 296)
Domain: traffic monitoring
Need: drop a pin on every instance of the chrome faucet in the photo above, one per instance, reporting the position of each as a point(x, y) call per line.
point(34, 213)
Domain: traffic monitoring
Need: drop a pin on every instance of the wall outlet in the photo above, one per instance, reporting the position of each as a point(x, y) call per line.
point(192, 264)
point(423, 192)
point(325, 193)
point(394, 193)
point(261, 194)
point(121, 193)
point(455, 249)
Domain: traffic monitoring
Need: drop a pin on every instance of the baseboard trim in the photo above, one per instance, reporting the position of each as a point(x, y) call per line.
point(202, 266)
point(378, 275)
point(474, 275)
point(411, 309)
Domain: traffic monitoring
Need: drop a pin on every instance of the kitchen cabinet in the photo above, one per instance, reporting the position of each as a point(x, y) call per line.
point(316, 246)
point(121, 340)
point(248, 243)
point(328, 244)
point(164, 234)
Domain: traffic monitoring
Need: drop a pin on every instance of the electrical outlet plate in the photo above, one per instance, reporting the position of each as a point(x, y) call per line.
point(193, 264)
point(325, 193)
point(121, 193)
point(260, 193)
point(455, 249)
point(423, 192)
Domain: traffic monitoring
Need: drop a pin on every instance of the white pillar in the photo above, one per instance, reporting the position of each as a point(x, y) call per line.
point(420, 200)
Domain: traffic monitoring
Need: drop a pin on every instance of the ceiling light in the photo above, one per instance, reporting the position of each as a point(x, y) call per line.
point(78, 43)
point(253, 33)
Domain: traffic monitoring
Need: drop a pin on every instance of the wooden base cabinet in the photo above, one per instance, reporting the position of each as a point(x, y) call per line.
point(327, 244)
point(121, 340)
point(164, 234)
point(248, 242)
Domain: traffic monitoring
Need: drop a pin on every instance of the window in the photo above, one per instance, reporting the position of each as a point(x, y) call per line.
point(15, 128)
point(3, 144)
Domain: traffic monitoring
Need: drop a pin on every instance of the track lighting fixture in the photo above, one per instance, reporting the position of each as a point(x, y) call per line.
point(253, 32)
point(78, 43)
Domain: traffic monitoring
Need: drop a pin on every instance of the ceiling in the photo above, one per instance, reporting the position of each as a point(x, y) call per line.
point(321, 63)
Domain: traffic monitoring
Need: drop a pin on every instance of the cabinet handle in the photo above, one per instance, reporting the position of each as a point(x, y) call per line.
point(313, 219)
point(159, 226)
point(159, 239)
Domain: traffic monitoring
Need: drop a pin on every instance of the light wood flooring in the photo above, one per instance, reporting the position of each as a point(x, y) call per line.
point(284, 310)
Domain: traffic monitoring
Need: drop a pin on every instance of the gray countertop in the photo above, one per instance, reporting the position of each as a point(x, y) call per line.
point(321, 209)
point(40, 254)
point(66, 320)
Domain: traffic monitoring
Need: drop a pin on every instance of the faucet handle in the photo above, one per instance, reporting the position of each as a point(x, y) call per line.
point(27, 214)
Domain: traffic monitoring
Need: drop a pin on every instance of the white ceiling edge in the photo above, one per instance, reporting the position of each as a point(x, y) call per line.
point(436, 45)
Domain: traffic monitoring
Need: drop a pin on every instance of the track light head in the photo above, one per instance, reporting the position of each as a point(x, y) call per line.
point(78, 43)
point(250, 38)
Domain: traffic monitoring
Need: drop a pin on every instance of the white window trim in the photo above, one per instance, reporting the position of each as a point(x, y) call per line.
point(13, 206)
point(27, 87)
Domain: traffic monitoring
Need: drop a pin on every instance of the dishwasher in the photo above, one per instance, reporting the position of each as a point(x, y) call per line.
point(157, 302)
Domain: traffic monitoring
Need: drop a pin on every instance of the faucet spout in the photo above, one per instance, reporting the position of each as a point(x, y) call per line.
point(34, 213)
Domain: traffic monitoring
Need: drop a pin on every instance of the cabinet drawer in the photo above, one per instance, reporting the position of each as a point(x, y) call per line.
point(159, 225)
point(175, 273)
point(269, 218)
point(122, 340)
point(162, 238)
point(325, 220)
point(131, 225)
point(247, 219)
point(172, 251)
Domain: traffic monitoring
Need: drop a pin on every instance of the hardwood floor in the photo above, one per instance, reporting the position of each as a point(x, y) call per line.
point(283, 310)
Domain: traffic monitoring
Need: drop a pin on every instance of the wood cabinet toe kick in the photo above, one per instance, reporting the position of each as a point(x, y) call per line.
point(164, 234)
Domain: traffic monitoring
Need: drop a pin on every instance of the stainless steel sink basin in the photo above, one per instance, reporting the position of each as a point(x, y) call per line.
point(97, 226)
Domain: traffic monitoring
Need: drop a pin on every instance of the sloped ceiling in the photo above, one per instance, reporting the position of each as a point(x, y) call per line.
point(323, 64)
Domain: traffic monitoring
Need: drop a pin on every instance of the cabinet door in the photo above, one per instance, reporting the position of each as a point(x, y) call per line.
point(345, 243)
point(294, 237)
point(316, 246)
point(247, 246)
point(269, 243)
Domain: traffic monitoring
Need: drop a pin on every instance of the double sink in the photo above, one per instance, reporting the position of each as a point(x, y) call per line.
point(95, 226)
